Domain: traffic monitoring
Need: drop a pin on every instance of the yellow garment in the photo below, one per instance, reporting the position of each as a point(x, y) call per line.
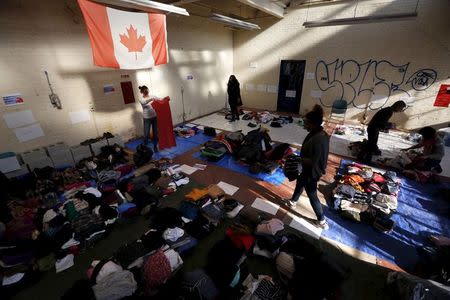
point(196, 194)
point(214, 191)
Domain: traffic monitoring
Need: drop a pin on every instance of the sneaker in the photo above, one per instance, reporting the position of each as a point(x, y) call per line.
point(289, 202)
point(322, 224)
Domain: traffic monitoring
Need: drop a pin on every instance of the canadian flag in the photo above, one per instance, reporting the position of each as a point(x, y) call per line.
point(125, 40)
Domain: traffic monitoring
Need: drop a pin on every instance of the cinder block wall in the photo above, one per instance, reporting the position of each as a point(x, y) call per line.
point(355, 61)
point(51, 35)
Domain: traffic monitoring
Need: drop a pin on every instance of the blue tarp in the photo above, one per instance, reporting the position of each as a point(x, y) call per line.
point(421, 211)
point(183, 145)
point(229, 162)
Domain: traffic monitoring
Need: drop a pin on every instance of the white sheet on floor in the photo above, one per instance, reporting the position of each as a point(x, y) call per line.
point(228, 188)
point(304, 226)
point(265, 206)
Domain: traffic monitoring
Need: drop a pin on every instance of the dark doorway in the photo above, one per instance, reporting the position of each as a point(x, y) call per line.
point(290, 85)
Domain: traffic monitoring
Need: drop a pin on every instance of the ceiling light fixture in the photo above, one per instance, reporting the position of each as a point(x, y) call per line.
point(360, 20)
point(234, 22)
point(148, 6)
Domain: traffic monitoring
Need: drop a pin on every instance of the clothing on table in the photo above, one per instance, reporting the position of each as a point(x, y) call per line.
point(434, 148)
point(196, 194)
point(173, 234)
point(165, 125)
point(310, 185)
point(151, 123)
point(174, 259)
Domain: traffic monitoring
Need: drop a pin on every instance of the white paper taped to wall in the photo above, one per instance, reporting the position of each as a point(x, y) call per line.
point(309, 76)
point(28, 133)
point(316, 93)
point(272, 89)
point(261, 88)
point(291, 93)
point(19, 119)
point(265, 206)
point(249, 87)
point(79, 116)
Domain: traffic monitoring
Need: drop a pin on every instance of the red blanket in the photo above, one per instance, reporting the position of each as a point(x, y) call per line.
point(166, 136)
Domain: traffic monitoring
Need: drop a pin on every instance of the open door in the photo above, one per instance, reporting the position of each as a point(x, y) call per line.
point(290, 85)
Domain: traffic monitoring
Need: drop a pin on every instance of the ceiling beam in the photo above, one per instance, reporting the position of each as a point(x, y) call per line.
point(266, 6)
point(148, 6)
point(181, 2)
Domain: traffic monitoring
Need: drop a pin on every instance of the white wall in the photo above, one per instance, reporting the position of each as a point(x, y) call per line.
point(409, 45)
point(51, 35)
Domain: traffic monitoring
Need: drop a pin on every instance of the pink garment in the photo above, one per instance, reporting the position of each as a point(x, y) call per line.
point(156, 271)
point(270, 227)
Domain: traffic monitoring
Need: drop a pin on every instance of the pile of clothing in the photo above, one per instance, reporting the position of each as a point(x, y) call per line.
point(185, 132)
point(366, 195)
point(254, 149)
point(55, 214)
point(266, 117)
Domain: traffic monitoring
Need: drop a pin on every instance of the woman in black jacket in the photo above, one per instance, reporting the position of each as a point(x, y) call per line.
point(234, 97)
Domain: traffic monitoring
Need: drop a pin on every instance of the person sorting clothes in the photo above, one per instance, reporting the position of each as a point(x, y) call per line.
point(149, 116)
point(432, 152)
point(380, 122)
point(314, 157)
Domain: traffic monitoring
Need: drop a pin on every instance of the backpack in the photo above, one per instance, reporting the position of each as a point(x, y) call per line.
point(235, 137)
point(209, 131)
point(142, 155)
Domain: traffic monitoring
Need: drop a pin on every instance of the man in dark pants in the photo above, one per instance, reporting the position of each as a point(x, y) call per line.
point(379, 122)
point(314, 156)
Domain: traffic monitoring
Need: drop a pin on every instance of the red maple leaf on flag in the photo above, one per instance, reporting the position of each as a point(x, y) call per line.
point(132, 41)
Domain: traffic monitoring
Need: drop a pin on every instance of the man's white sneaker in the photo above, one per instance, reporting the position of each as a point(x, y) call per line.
point(323, 224)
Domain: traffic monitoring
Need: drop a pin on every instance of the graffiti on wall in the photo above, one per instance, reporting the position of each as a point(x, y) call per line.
point(370, 84)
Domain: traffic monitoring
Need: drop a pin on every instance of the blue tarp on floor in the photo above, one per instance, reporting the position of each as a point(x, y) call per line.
point(421, 211)
point(183, 145)
point(229, 162)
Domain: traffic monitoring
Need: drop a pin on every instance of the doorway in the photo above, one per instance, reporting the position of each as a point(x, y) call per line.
point(290, 85)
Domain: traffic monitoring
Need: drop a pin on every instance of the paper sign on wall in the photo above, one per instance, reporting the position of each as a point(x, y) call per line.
point(272, 89)
point(443, 96)
point(79, 116)
point(290, 93)
point(316, 93)
point(13, 99)
point(249, 87)
point(28, 133)
point(261, 88)
point(19, 119)
point(309, 76)
point(253, 65)
point(108, 89)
